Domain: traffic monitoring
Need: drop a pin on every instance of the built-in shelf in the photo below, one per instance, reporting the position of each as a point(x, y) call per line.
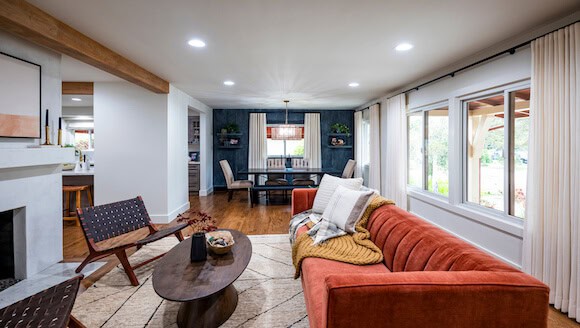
point(345, 137)
point(230, 147)
point(335, 147)
point(22, 157)
point(224, 140)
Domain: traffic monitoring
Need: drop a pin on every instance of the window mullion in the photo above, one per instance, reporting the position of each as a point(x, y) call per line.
point(508, 128)
point(425, 150)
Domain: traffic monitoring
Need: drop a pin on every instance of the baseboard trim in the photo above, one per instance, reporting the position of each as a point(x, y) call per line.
point(164, 219)
point(206, 192)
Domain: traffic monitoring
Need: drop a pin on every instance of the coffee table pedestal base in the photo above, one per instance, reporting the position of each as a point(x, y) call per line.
point(209, 312)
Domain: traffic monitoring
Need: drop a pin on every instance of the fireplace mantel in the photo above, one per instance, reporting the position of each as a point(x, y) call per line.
point(13, 158)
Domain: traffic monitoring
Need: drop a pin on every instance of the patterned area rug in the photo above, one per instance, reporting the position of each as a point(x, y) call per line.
point(268, 295)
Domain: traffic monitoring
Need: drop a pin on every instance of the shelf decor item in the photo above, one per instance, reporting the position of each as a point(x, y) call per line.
point(20, 116)
point(201, 223)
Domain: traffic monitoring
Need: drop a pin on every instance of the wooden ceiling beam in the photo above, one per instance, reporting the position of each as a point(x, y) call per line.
point(77, 88)
point(30, 23)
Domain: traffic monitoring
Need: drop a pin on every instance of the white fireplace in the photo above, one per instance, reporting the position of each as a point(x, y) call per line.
point(31, 186)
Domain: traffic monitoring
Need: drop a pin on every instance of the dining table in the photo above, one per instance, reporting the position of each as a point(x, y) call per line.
point(290, 171)
point(289, 175)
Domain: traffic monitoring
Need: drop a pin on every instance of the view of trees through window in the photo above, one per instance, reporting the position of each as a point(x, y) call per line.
point(437, 151)
point(415, 149)
point(293, 148)
point(428, 134)
point(487, 166)
point(81, 139)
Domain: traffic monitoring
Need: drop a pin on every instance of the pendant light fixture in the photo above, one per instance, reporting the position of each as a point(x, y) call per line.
point(286, 131)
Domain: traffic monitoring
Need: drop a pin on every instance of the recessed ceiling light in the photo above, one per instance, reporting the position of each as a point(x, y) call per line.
point(196, 43)
point(353, 85)
point(76, 99)
point(404, 47)
point(229, 83)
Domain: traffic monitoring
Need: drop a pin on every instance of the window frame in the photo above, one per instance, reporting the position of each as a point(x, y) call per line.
point(271, 125)
point(424, 145)
point(507, 92)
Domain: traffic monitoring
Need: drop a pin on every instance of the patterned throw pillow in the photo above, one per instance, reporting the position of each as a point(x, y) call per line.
point(328, 186)
point(346, 207)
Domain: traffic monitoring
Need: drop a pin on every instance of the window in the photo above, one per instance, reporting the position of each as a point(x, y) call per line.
point(493, 179)
point(415, 149)
point(84, 139)
point(278, 148)
point(437, 131)
point(428, 132)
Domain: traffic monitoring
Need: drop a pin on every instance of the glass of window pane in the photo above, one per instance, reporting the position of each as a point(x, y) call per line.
point(415, 149)
point(485, 149)
point(437, 151)
point(520, 108)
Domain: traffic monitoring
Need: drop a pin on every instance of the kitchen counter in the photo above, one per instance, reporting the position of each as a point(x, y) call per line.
point(73, 173)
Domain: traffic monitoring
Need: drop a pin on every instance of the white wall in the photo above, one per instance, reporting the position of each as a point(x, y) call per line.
point(49, 78)
point(497, 234)
point(206, 138)
point(142, 147)
point(132, 155)
point(178, 188)
point(38, 228)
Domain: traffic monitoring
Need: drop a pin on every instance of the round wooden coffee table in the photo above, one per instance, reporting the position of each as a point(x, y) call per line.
point(204, 288)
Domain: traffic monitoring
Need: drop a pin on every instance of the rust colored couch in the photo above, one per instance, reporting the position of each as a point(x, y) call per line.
point(429, 278)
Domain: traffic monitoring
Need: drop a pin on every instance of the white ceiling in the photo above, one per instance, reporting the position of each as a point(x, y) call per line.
point(85, 101)
point(304, 50)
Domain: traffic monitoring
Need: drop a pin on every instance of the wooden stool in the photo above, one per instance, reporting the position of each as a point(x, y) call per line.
point(71, 215)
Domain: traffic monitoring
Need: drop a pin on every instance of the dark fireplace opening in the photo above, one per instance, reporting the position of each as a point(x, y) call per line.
point(7, 275)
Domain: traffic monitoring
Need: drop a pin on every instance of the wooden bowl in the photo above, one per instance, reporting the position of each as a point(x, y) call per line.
point(219, 249)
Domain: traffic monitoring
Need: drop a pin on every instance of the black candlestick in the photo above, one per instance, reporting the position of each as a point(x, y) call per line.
point(60, 123)
point(46, 117)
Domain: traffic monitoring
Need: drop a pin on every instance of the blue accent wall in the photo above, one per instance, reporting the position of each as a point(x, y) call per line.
point(332, 158)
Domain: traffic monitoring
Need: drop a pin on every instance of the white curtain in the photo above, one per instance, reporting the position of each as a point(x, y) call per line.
point(552, 227)
point(359, 144)
point(257, 152)
point(312, 152)
point(394, 185)
point(375, 147)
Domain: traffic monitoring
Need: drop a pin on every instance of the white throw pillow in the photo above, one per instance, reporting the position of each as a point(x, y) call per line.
point(346, 207)
point(327, 186)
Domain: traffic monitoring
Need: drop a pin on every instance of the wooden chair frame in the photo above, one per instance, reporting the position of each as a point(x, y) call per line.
point(97, 253)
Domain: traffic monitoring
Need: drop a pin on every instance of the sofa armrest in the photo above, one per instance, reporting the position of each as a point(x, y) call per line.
point(436, 299)
point(302, 199)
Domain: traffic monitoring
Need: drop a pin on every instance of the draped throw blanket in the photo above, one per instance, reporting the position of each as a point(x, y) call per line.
point(355, 249)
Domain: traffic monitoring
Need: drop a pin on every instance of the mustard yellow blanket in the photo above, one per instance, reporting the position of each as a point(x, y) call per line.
point(355, 249)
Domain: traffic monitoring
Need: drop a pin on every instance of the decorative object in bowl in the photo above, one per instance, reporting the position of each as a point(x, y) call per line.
point(220, 242)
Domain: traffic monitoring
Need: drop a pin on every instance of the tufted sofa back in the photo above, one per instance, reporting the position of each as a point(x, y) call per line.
point(411, 244)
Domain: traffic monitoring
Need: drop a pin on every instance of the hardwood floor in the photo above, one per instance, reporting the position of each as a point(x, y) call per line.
point(237, 214)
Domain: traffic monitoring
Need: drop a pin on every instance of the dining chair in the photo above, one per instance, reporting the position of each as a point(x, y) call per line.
point(276, 179)
point(233, 184)
point(348, 171)
point(302, 179)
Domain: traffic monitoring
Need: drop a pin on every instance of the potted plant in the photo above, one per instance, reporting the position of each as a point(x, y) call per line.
point(340, 128)
point(232, 128)
point(200, 223)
